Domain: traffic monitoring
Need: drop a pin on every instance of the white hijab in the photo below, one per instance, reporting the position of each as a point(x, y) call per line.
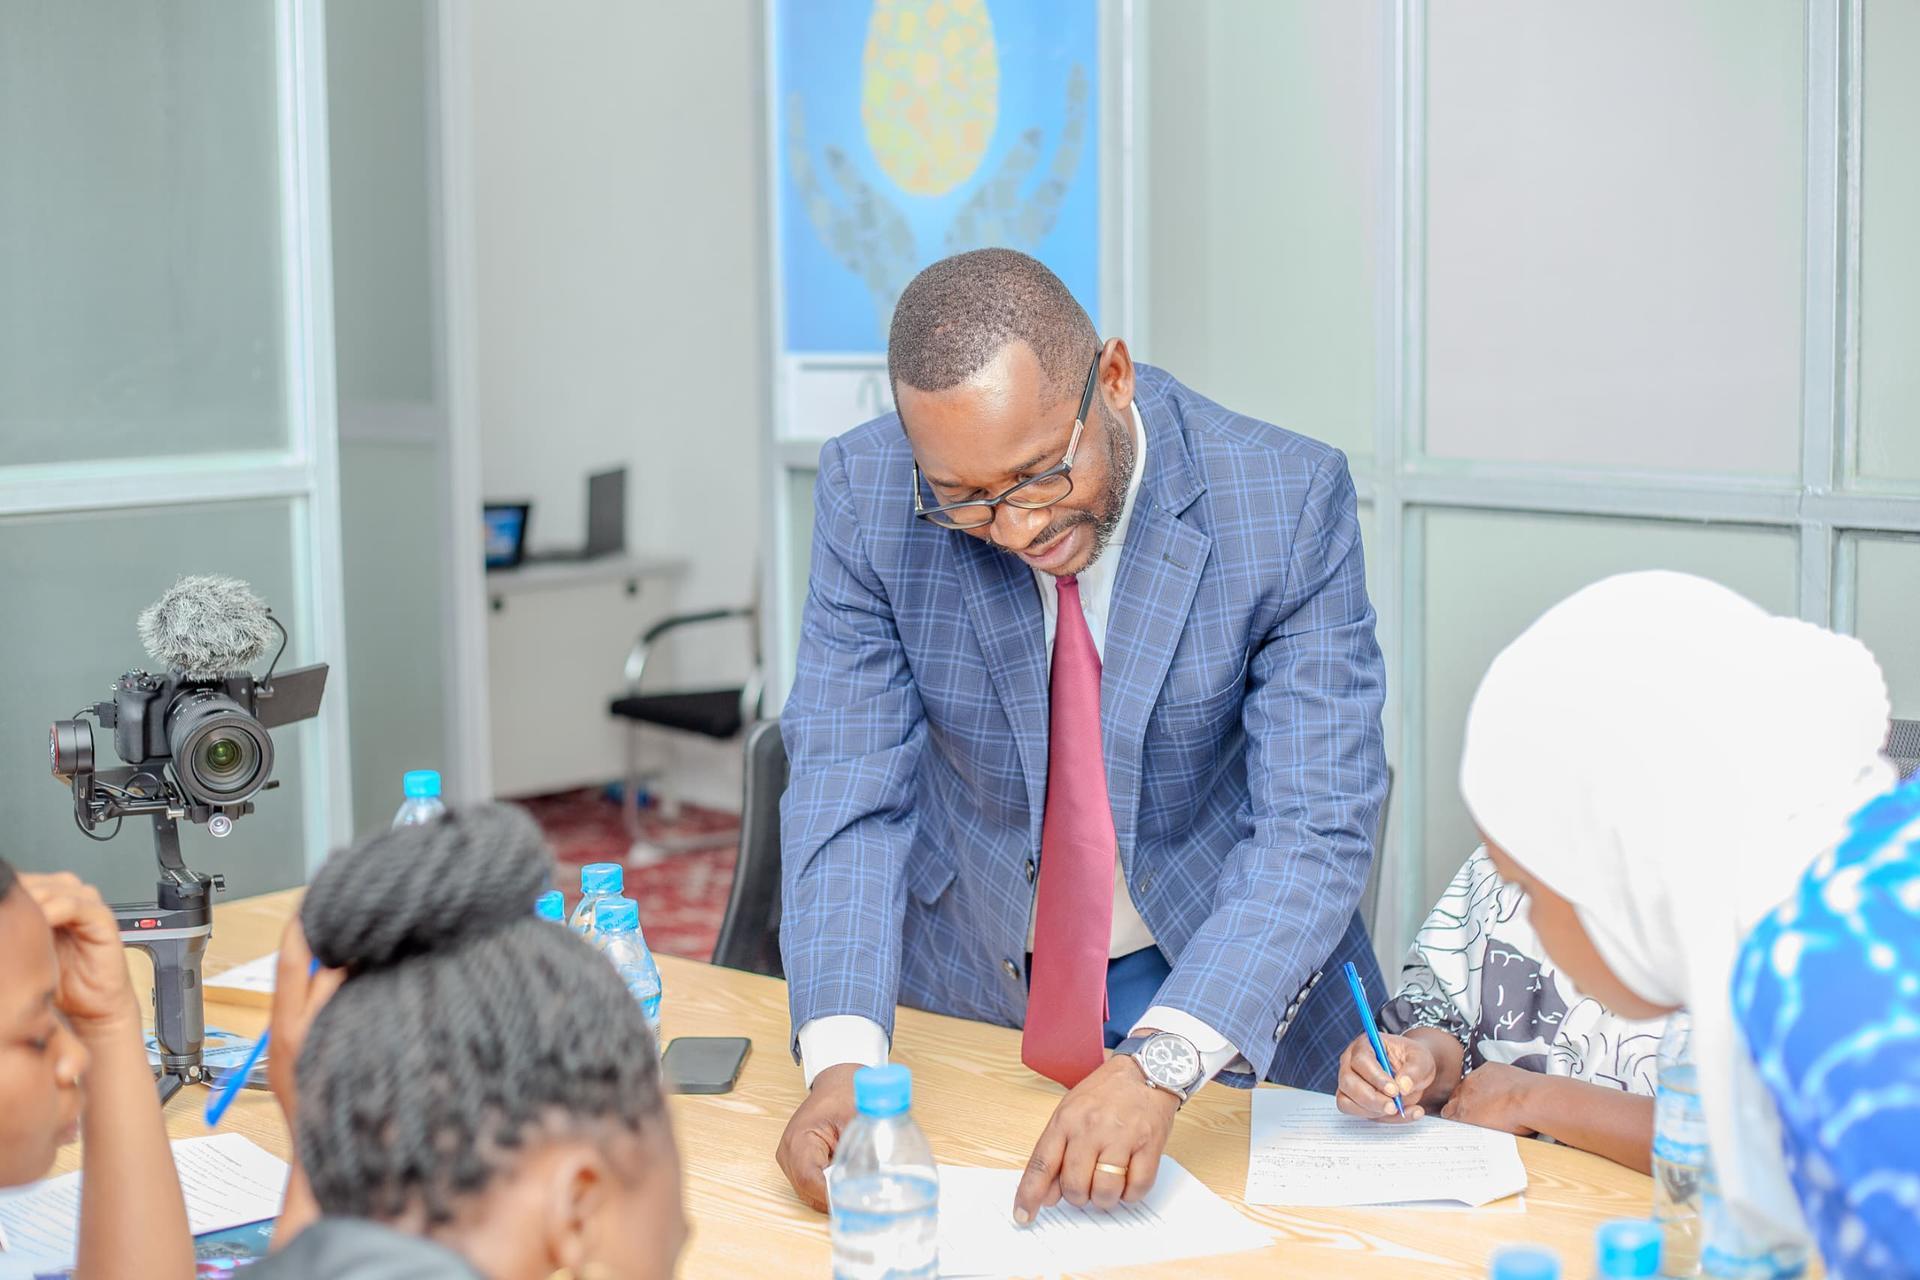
point(1670, 758)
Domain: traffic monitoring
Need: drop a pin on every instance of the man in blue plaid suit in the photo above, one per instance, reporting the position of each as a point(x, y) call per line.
point(1034, 472)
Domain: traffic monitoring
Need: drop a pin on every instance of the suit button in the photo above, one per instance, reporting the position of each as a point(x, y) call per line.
point(1033, 869)
point(1013, 970)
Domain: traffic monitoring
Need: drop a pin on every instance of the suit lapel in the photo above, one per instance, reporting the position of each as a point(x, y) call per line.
point(1160, 566)
point(1001, 600)
point(1159, 572)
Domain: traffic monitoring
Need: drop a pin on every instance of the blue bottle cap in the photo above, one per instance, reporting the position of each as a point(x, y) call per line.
point(550, 906)
point(617, 915)
point(602, 877)
point(416, 783)
point(1627, 1248)
point(1526, 1262)
point(882, 1091)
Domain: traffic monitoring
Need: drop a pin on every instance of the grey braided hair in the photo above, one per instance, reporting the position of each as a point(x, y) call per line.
point(467, 1029)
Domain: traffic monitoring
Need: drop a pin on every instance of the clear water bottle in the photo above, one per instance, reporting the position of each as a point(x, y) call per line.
point(598, 881)
point(616, 931)
point(883, 1186)
point(1679, 1150)
point(551, 906)
point(421, 787)
point(1525, 1262)
point(1627, 1250)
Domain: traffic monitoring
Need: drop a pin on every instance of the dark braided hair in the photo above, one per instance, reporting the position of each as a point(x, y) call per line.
point(466, 1029)
point(7, 879)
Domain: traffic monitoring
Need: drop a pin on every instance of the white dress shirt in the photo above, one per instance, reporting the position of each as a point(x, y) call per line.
point(840, 1038)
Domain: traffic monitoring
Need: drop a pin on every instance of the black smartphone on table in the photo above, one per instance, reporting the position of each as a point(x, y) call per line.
point(704, 1064)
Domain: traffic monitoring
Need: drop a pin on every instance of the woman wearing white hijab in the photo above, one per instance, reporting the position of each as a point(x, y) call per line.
point(1657, 760)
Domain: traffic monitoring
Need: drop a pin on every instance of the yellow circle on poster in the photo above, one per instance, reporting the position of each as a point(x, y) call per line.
point(929, 91)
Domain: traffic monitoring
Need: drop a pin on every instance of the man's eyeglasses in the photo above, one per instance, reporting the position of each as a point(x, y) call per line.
point(1031, 494)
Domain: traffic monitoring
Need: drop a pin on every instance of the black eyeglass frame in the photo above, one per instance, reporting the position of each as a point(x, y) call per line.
point(1062, 469)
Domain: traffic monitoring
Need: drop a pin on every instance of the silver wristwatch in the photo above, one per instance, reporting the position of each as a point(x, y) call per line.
point(1168, 1061)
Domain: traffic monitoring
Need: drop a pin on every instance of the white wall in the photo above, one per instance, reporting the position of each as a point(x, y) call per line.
point(621, 288)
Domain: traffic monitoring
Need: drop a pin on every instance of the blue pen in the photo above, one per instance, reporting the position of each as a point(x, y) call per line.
point(223, 1098)
point(1373, 1028)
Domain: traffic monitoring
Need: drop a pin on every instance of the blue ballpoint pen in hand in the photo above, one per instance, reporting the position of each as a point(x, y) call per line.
point(1373, 1028)
point(222, 1097)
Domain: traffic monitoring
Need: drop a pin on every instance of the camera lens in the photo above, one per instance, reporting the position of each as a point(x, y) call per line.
point(221, 754)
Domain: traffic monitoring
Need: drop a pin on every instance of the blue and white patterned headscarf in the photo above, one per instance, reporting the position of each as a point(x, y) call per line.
point(1669, 757)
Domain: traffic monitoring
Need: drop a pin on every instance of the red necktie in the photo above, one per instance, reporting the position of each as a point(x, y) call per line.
point(1073, 920)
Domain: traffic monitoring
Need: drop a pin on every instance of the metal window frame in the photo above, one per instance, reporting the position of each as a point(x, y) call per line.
point(304, 471)
point(1826, 505)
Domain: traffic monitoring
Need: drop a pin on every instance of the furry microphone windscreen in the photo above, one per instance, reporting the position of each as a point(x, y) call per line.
point(207, 627)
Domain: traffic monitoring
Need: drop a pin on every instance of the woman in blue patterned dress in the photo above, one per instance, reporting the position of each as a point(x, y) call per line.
point(1828, 992)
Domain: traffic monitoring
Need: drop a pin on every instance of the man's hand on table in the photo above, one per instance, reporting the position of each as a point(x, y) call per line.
point(1114, 1118)
point(812, 1136)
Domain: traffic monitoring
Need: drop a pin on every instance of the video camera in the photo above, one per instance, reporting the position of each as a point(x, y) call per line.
point(195, 746)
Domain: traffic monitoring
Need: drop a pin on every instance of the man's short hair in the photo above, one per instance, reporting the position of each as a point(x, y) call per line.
point(955, 316)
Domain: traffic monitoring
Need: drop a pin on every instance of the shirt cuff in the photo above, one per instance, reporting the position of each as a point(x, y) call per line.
point(1216, 1055)
point(839, 1038)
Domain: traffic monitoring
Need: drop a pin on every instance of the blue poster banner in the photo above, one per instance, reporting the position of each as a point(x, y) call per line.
point(907, 130)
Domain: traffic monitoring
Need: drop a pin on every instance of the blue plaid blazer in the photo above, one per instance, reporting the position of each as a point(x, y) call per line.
point(1240, 705)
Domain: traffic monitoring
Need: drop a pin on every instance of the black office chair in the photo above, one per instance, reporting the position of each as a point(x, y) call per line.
point(750, 931)
point(1903, 747)
point(719, 714)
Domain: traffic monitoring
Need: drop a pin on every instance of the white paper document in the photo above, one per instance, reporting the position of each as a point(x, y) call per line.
point(1179, 1218)
point(1305, 1152)
point(227, 1180)
point(249, 983)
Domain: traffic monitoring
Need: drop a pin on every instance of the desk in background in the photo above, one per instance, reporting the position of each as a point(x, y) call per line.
point(557, 636)
point(978, 1106)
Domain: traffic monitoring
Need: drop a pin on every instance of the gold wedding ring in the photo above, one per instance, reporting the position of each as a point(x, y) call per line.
point(1117, 1170)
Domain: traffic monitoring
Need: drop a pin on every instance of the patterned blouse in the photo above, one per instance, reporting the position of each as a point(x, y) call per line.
point(1477, 971)
point(1828, 992)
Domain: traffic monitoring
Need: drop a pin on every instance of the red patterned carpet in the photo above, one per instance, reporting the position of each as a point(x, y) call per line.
point(681, 897)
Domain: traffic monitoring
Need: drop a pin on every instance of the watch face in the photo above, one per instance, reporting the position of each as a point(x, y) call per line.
point(1170, 1060)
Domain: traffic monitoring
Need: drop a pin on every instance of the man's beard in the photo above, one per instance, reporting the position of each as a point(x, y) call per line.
point(1120, 454)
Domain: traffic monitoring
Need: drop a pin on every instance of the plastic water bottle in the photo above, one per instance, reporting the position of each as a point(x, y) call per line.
point(598, 881)
point(1679, 1150)
point(1627, 1250)
point(1525, 1262)
point(616, 931)
point(883, 1186)
point(422, 804)
point(551, 906)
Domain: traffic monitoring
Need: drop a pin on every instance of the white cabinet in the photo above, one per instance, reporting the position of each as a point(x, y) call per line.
point(557, 636)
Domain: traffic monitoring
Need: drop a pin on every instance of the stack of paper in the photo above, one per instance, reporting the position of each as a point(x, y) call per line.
point(1305, 1152)
point(228, 1182)
point(1180, 1218)
point(250, 983)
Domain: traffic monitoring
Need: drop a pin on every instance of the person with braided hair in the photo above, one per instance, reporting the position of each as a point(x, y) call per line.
point(73, 1060)
point(471, 1090)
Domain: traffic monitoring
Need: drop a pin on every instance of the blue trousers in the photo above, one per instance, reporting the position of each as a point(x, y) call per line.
point(1132, 980)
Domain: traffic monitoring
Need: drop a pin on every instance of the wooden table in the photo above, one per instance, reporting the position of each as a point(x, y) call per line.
point(979, 1106)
